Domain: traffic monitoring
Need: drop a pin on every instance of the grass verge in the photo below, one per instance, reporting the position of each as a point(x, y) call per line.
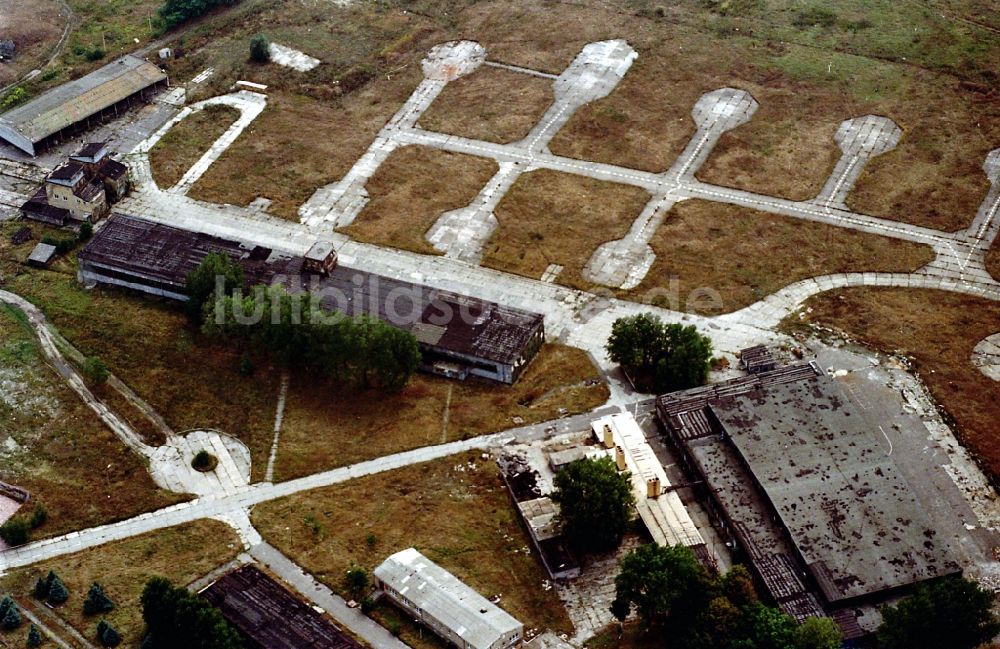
point(938, 330)
point(411, 189)
point(323, 429)
point(455, 511)
point(181, 554)
point(706, 248)
point(187, 141)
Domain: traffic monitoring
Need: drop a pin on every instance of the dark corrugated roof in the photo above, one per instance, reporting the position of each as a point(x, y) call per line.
point(76, 100)
point(66, 171)
point(113, 169)
point(89, 150)
point(270, 616)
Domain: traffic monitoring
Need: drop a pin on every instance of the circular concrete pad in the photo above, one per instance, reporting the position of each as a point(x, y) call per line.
point(170, 464)
point(986, 356)
point(454, 59)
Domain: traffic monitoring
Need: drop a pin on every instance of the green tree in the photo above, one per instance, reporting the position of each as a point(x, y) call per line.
point(595, 503)
point(764, 627)
point(11, 618)
point(6, 604)
point(34, 637)
point(107, 635)
point(42, 586)
point(95, 370)
point(16, 531)
point(58, 593)
point(97, 601)
point(659, 357)
point(657, 580)
point(177, 618)
point(356, 581)
point(215, 270)
point(392, 357)
point(956, 613)
point(39, 516)
point(818, 633)
point(86, 230)
point(175, 12)
point(260, 49)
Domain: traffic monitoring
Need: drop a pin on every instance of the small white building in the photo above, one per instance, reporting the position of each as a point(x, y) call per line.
point(445, 605)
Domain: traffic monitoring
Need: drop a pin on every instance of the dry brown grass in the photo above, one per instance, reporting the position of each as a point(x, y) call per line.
point(63, 454)
point(938, 330)
point(411, 189)
point(181, 554)
point(147, 343)
point(746, 255)
point(455, 510)
point(490, 104)
point(35, 28)
point(187, 141)
point(549, 217)
point(325, 428)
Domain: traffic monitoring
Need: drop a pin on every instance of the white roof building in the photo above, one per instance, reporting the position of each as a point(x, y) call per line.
point(437, 599)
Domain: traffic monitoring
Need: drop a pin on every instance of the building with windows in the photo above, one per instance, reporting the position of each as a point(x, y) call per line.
point(438, 600)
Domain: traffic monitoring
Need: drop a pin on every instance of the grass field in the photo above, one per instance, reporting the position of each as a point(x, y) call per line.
point(411, 189)
point(187, 141)
point(549, 217)
point(325, 428)
point(490, 104)
point(993, 261)
point(456, 511)
point(733, 251)
point(57, 448)
point(939, 331)
point(181, 554)
point(147, 343)
point(35, 29)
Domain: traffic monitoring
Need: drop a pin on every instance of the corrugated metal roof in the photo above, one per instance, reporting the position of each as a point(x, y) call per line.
point(76, 100)
point(441, 596)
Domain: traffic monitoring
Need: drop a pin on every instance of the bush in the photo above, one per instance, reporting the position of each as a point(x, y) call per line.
point(62, 245)
point(12, 618)
point(260, 49)
point(86, 230)
point(367, 605)
point(107, 635)
point(16, 96)
point(97, 601)
point(16, 531)
point(58, 594)
point(34, 637)
point(95, 370)
point(204, 461)
point(39, 516)
point(42, 586)
point(174, 12)
point(356, 581)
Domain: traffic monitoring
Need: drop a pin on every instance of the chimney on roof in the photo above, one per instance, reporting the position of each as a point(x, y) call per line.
point(620, 458)
point(653, 489)
point(609, 437)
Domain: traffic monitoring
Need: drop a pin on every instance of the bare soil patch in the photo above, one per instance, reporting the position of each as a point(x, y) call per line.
point(745, 255)
point(549, 217)
point(411, 189)
point(939, 331)
point(35, 28)
point(187, 141)
point(456, 511)
point(490, 104)
point(181, 554)
point(323, 429)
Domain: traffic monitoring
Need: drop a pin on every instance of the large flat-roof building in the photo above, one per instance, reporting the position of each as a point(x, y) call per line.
point(799, 480)
point(458, 335)
point(74, 104)
point(270, 617)
point(445, 605)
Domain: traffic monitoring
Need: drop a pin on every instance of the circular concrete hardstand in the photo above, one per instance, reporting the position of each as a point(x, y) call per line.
point(986, 356)
point(449, 61)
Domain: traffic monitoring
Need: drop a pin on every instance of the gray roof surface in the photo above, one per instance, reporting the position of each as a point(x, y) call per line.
point(446, 599)
point(839, 494)
point(76, 100)
point(43, 253)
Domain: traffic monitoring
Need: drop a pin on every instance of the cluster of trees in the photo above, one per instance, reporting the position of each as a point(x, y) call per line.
point(660, 357)
point(176, 618)
point(10, 615)
point(674, 594)
point(174, 12)
point(17, 530)
point(361, 351)
point(51, 589)
point(955, 613)
point(595, 503)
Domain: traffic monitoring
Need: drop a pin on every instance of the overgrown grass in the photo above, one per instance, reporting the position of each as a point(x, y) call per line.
point(187, 141)
point(324, 429)
point(181, 554)
point(455, 511)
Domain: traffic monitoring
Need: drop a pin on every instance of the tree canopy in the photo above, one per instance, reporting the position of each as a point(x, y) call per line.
point(672, 592)
point(174, 12)
point(956, 613)
point(595, 502)
point(260, 49)
point(659, 357)
point(202, 282)
point(177, 618)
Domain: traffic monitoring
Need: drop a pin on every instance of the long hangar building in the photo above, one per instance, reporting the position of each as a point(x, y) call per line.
point(74, 105)
point(459, 335)
point(798, 481)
